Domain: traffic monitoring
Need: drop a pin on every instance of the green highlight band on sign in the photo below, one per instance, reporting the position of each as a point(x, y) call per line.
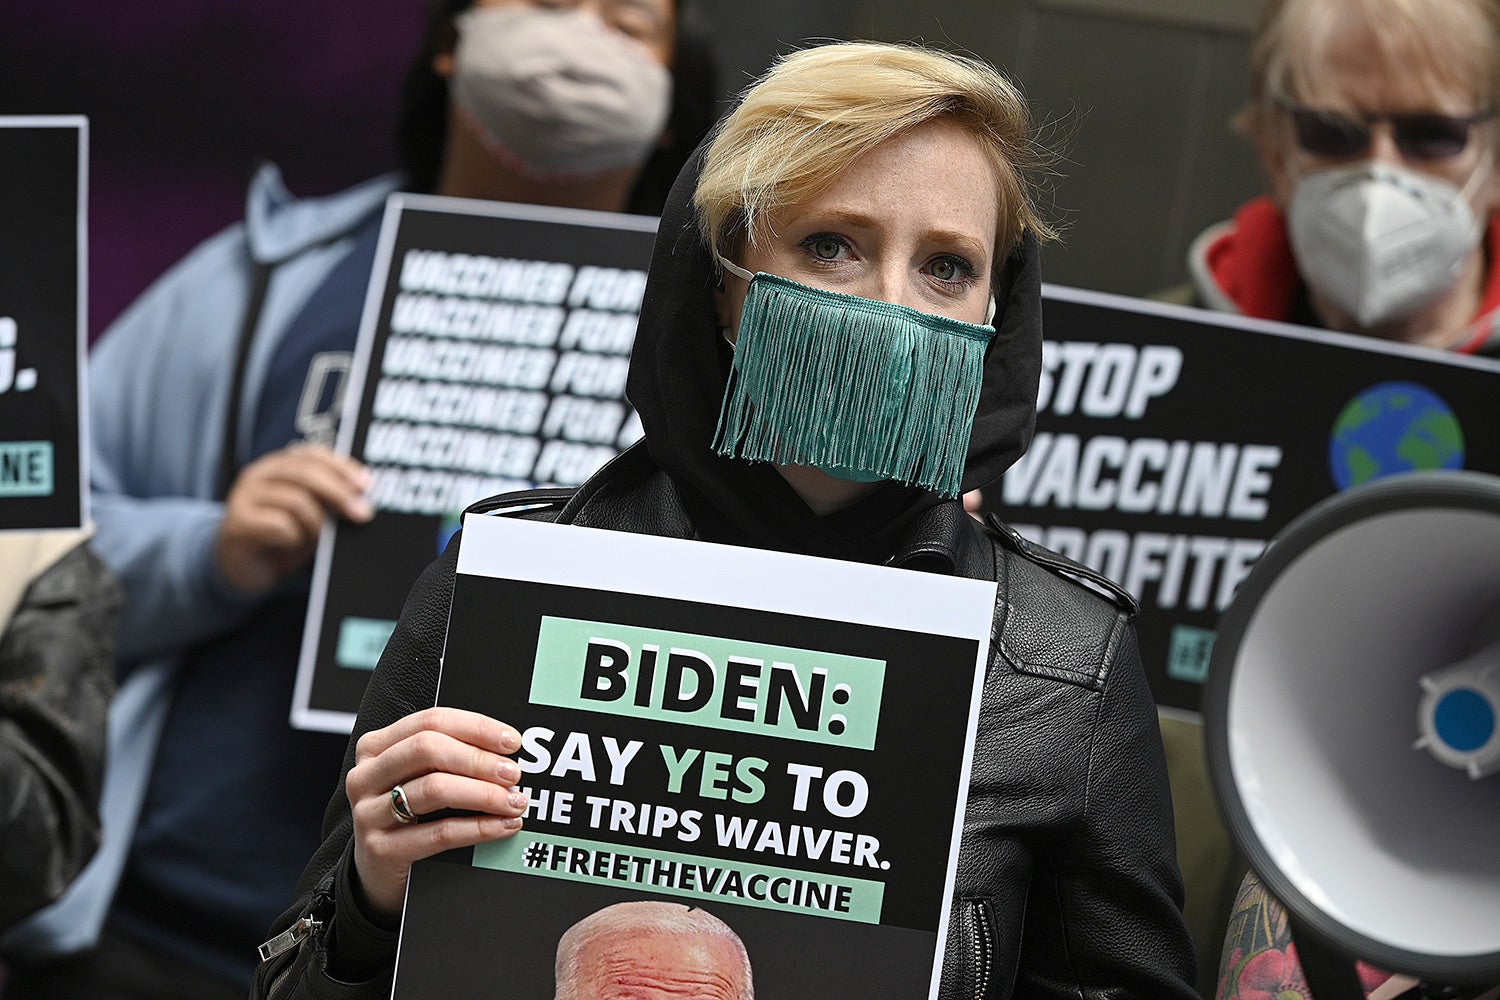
point(785, 889)
point(25, 468)
point(361, 641)
point(729, 684)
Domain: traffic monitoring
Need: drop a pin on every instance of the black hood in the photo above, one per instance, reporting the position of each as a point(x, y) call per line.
point(679, 368)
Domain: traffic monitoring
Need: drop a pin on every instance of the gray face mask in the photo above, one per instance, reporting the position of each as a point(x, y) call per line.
point(557, 94)
point(1380, 241)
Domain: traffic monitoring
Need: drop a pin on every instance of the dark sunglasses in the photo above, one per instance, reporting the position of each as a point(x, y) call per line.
point(1419, 135)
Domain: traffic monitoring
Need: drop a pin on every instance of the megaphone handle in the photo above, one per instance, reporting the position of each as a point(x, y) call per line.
point(1330, 974)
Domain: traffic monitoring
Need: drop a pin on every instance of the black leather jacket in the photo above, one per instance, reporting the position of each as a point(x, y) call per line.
point(1067, 881)
point(56, 679)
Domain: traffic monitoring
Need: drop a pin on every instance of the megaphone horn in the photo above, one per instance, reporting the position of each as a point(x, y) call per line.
point(1350, 717)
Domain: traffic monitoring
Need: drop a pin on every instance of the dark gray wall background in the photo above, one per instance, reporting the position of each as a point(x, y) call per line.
point(1138, 93)
point(183, 98)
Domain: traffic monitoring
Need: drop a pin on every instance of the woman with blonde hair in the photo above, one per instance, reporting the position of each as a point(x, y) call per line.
point(841, 334)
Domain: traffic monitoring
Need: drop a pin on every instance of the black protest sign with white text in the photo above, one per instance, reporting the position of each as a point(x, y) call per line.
point(492, 357)
point(43, 181)
point(1172, 444)
point(801, 776)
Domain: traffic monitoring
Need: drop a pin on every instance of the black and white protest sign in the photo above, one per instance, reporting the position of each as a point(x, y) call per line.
point(43, 226)
point(1173, 443)
point(734, 729)
point(492, 357)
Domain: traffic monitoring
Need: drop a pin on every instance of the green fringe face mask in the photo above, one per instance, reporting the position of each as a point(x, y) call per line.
point(862, 389)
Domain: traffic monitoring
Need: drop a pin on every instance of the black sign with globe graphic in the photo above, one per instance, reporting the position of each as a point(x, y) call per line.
point(1172, 444)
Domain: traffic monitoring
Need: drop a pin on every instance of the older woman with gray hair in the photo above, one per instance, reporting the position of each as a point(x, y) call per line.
point(1375, 122)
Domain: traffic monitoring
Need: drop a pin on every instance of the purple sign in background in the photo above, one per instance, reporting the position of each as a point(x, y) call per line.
point(184, 98)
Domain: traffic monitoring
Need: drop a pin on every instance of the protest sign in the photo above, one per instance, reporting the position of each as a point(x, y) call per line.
point(43, 226)
point(1173, 443)
point(733, 729)
point(492, 357)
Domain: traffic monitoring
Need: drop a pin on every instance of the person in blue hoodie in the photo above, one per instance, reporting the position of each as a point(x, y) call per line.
point(214, 402)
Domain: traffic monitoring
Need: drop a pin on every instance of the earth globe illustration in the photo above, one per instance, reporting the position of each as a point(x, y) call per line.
point(1393, 427)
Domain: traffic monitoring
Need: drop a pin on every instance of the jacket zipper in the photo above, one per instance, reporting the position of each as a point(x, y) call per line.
point(984, 950)
point(290, 938)
point(275, 987)
point(306, 926)
point(319, 911)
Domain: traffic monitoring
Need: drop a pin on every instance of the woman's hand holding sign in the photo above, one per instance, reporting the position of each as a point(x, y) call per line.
point(433, 760)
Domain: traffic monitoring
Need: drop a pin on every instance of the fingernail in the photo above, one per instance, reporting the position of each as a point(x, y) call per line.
point(510, 739)
point(510, 772)
point(518, 800)
point(360, 509)
point(512, 824)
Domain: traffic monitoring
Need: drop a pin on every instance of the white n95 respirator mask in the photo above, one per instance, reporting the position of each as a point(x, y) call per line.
point(1380, 241)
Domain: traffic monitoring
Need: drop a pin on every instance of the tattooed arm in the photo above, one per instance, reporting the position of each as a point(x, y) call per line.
point(1259, 957)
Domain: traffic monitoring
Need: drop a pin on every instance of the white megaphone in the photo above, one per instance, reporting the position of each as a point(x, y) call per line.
point(1352, 720)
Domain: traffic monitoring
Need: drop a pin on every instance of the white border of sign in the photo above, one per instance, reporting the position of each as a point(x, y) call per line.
point(1193, 314)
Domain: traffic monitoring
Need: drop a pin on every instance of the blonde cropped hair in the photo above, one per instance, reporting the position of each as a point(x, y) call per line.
point(817, 110)
point(1441, 44)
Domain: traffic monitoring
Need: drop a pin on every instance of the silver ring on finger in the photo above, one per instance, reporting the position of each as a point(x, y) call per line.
point(400, 808)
